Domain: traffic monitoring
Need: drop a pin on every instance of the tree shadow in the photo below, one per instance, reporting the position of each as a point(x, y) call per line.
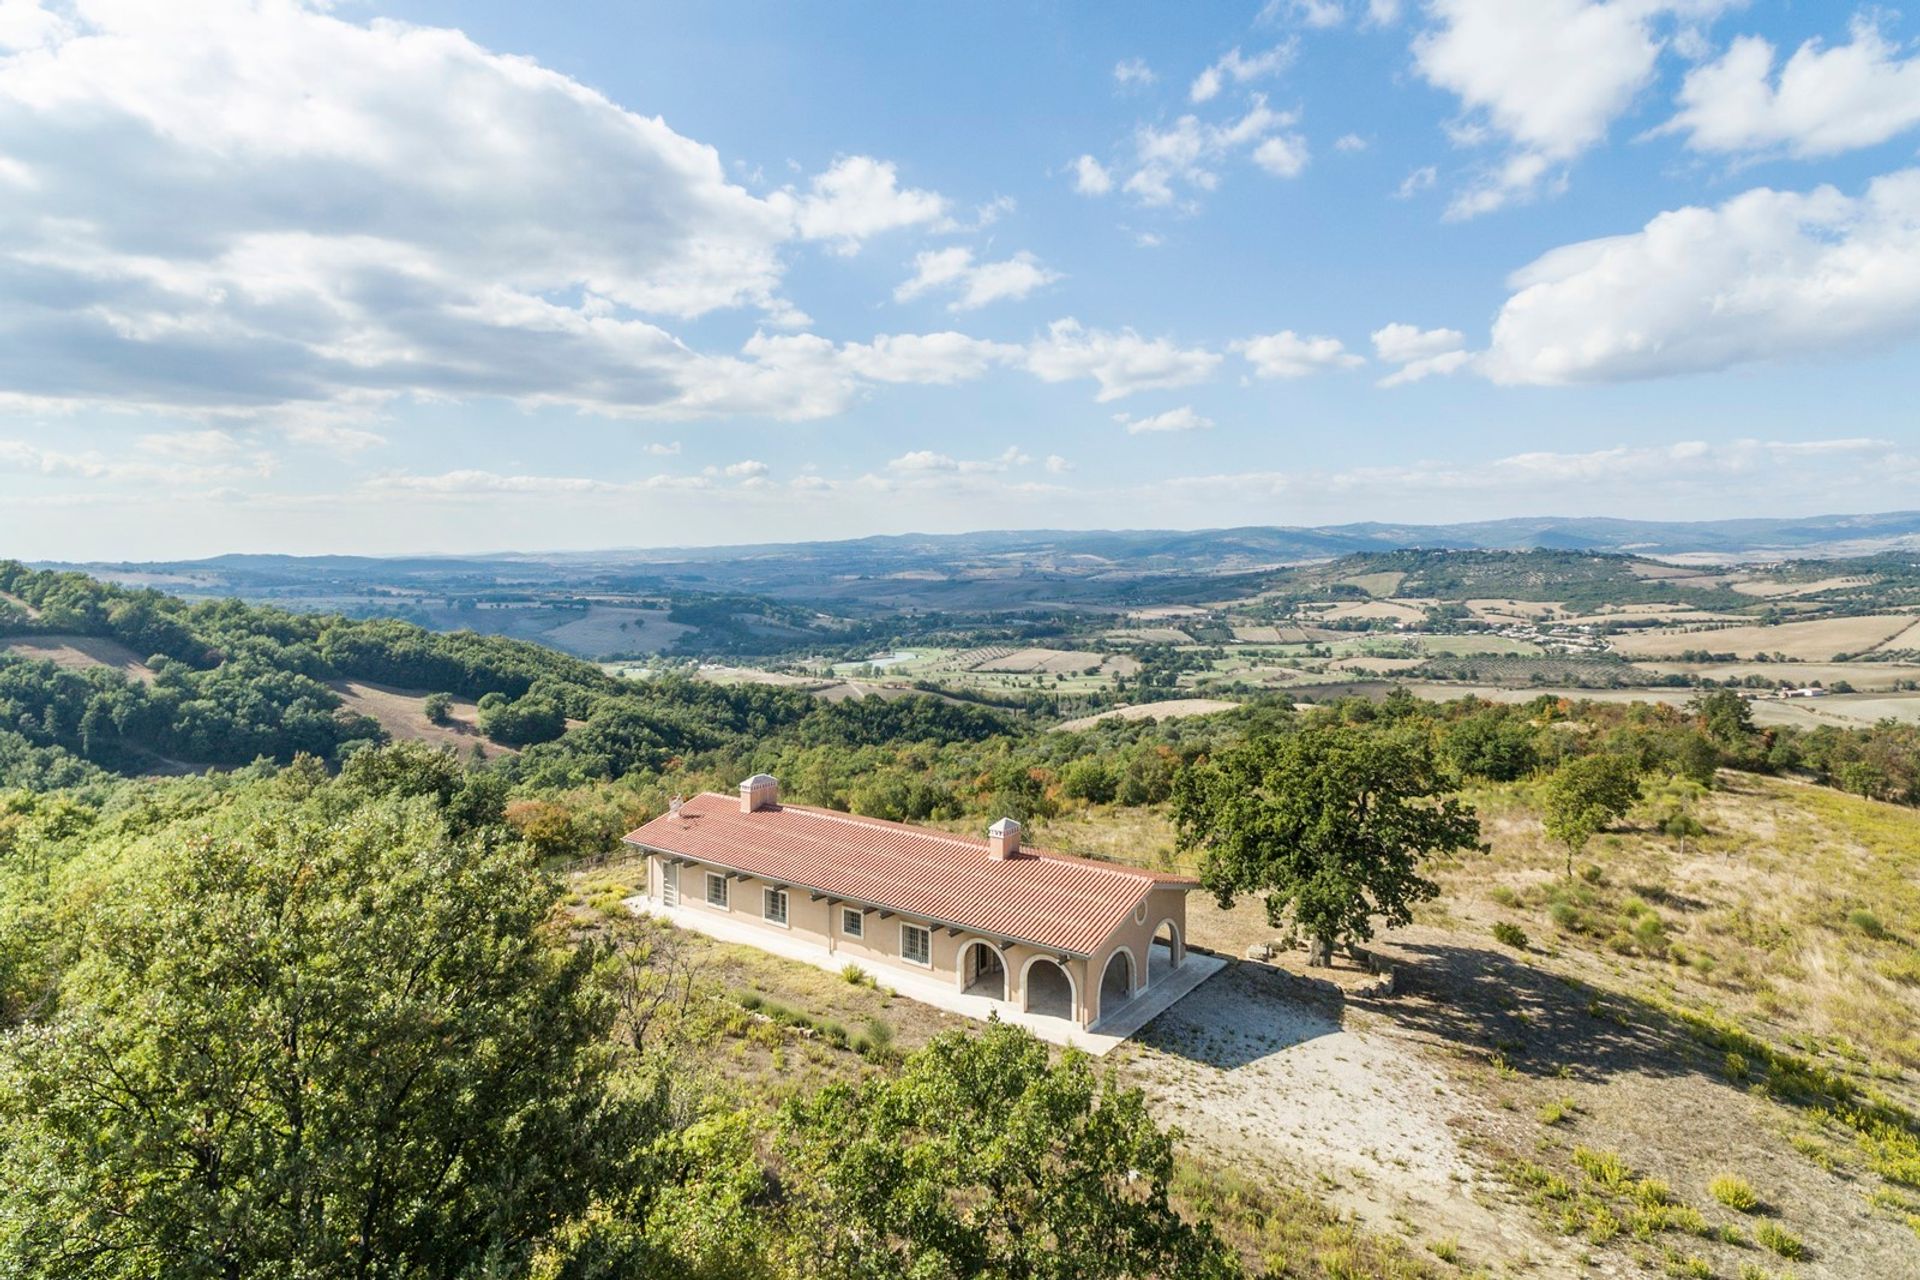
point(1539, 1024)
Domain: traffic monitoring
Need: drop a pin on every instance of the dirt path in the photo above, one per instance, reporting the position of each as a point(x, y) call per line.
point(1256, 1067)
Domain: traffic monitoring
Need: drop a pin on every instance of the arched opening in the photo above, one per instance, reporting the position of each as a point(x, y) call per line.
point(1116, 984)
point(1049, 988)
point(983, 972)
point(1166, 954)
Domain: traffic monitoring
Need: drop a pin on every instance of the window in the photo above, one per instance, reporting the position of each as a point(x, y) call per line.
point(716, 890)
point(916, 944)
point(773, 905)
point(853, 922)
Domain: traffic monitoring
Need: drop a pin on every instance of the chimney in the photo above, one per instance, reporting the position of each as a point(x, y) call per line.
point(761, 791)
point(1003, 839)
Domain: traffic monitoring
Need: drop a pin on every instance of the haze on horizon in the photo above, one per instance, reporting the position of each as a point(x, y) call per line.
point(431, 277)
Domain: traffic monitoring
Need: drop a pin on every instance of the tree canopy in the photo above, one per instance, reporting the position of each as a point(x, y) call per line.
point(1329, 822)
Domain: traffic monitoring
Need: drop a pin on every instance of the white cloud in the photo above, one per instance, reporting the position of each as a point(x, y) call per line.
point(1383, 13)
point(1419, 180)
point(177, 467)
point(1181, 419)
point(1057, 465)
point(1308, 13)
point(1237, 69)
point(1130, 73)
point(975, 283)
point(1350, 142)
point(263, 210)
point(1289, 355)
point(1420, 353)
point(747, 469)
point(1768, 275)
point(860, 197)
point(1121, 362)
point(664, 449)
point(1090, 177)
point(1187, 150)
point(1548, 76)
point(1692, 467)
point(333, 437)
point(1822, 102)
point(937, 359)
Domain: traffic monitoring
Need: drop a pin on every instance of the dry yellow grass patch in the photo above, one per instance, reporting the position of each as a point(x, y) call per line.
point(1810, 641)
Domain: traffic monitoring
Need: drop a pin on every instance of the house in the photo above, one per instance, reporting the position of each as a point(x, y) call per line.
point(1045, 933)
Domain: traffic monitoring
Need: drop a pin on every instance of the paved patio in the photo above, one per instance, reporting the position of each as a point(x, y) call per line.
point(928, 989)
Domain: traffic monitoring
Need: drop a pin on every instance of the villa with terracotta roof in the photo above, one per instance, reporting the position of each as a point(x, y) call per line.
point(1043, 933)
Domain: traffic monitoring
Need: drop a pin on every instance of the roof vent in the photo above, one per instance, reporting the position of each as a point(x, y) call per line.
point(1003, 839)
point(761, 791)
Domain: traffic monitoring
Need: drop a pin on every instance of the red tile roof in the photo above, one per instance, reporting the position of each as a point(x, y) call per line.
point(1052, 900)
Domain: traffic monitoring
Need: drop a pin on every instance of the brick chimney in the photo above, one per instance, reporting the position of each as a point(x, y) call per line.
point(1003, 839)
point(761, 791)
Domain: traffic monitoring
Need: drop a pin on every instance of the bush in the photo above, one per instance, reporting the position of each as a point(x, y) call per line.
point(1604, 1167)
point(1734, 1192)
point(857, 976)
point(1780, 1240)
point(1510, 934)
point(438, 707)
point(1867, 923)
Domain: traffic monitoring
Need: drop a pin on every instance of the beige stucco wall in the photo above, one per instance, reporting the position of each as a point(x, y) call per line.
point(819, 922)
point(1163, 904)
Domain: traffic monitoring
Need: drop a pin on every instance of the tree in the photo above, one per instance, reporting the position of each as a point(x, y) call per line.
point(1331, 821)
point(983, 1159)
point(1726, 717)
point(307, 1039)
point(1585, 795)
point(438, 707)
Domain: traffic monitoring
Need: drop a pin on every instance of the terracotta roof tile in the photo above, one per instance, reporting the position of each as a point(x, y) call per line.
point(1053, 900)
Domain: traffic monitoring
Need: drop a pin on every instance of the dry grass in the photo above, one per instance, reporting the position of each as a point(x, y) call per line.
point(78, 653)
point(400, 713)
point(1808, 641)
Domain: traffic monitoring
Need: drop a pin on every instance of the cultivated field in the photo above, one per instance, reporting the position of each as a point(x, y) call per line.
point(1810, 641)
point(1172, 709)
point(400, 714)
point(77, 653)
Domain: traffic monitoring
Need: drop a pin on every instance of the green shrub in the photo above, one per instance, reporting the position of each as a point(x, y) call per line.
point(1510, 934)
point(1780, 1240)
point(438, 707)
point(1556, 1110)
point(1867, 923)
point(859, 977)
point(1604, 1167)
point(1734, 1192)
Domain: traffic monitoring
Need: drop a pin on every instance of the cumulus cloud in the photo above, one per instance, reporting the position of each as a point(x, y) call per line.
point(1822, 102)
point(858, 198)
point(1181, 419)
point(1548, 77)
point(1287, 354)
point(1130, 73)
point(1420, 353)
point(1189, 150)
point(1121, 362)
point(1768, 275)
point(1236, 68)
point(974, 284)
point(1090, 177)
point(246, 208)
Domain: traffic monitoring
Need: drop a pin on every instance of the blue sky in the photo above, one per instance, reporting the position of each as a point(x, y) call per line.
point(462, 277)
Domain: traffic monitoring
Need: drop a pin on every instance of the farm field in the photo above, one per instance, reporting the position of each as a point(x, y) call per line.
point(78, 653)
point(400, 713)
point(1817, 641)
point(1171, 709)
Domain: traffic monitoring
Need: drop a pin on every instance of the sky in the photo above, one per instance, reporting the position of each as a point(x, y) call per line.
point(438, 277)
